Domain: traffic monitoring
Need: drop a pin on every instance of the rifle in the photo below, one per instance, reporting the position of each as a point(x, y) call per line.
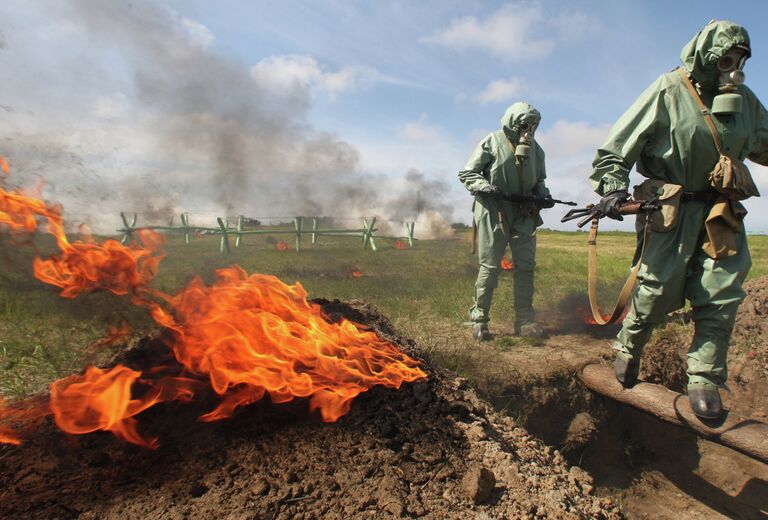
point(593, 214)
point(514, 197)
point(631, 207)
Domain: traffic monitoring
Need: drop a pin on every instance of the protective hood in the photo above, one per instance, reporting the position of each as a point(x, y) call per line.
point(700, 56)
point(516, 114)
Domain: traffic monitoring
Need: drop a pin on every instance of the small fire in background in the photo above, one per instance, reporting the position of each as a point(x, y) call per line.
point(4, 166)
point(507, 264)
point(585, 314)
point(399, 244)
point(281, 246)
point(356, 273)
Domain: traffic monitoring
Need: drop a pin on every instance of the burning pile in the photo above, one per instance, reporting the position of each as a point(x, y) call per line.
point(244, 337)
point(432, 449)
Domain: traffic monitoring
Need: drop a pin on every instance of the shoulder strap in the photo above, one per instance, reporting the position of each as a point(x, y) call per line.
point(518, 167)
point(626, 292)
point(703, 108)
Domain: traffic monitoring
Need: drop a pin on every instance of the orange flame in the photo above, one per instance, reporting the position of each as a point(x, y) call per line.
point(101, 400)
point(281, 246)
point(19, 212)
point(586, 315)
point(255, 334)
point(85, 267)
point(356, 273)
point(507, 265)
point(4, 166)
point(399, 244)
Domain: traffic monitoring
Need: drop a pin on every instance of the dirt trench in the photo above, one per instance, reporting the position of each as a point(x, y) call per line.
point(539, 445)
point(651, 468)
point(431, 449)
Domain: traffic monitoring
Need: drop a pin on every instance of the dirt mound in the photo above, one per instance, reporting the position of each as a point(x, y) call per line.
point(431, 449)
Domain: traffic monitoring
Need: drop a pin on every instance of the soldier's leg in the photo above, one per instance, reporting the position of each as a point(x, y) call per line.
point(523, 245)
point(491, 242)
point(660, 282)
point(715, 293)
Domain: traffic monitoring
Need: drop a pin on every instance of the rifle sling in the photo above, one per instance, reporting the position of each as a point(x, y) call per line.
point(626, 292)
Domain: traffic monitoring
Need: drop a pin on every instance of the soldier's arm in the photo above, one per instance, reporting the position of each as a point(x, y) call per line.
point(628, 137)
point(472, 176)
point(759, 152)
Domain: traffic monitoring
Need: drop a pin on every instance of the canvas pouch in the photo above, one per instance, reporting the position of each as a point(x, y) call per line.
point(668, 195)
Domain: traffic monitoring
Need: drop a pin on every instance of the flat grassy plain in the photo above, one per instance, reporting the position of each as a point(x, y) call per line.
point(426, 291)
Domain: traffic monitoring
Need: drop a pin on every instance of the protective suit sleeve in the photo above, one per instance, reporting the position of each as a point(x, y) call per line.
point(759, 152)
point(540, 188)
point(627, 139)
point(472, 175)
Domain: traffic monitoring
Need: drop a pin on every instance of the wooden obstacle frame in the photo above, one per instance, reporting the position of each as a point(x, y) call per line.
point(228, 233)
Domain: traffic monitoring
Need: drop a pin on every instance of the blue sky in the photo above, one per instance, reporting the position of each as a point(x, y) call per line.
point(392, 86)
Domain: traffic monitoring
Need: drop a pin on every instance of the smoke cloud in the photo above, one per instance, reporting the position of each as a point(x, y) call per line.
point(151, 118)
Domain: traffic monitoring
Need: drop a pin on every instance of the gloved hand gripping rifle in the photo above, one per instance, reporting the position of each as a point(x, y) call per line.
point(592, 213)
point(497, 194)
point(631, 207)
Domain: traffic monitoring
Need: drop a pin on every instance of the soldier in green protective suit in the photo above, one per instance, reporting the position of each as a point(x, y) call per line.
point(510, 161)
point(667, 137)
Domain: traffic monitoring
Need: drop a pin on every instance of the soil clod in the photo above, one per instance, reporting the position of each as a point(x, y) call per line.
point(478, 484)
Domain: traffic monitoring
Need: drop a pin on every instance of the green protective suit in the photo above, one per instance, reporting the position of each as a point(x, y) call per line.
point(667, 137)
point(502, 223)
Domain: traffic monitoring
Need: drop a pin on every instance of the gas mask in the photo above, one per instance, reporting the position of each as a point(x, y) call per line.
point(525, 131)
point(730, 75)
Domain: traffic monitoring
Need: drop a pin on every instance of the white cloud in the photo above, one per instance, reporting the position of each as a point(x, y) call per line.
point(570, 148)
point(197, 33)
point(506, 33)
point(420, 130)
point(758, 212)
point(500, 90)
point(295, 71)
point(569, 139)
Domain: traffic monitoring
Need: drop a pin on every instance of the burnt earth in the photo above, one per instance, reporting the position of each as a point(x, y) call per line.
point(432, 449)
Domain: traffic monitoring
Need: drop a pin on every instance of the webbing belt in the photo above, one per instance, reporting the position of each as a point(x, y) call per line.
point(626, 291)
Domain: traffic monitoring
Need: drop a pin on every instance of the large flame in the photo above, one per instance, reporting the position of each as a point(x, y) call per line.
point(246, 336)
point(255, 334)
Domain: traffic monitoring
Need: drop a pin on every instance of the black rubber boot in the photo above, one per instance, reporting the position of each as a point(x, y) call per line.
point(626, 371)
point(480, 331)
point(705, 402)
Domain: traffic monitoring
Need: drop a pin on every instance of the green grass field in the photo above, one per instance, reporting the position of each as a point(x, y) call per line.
point(425, 291)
